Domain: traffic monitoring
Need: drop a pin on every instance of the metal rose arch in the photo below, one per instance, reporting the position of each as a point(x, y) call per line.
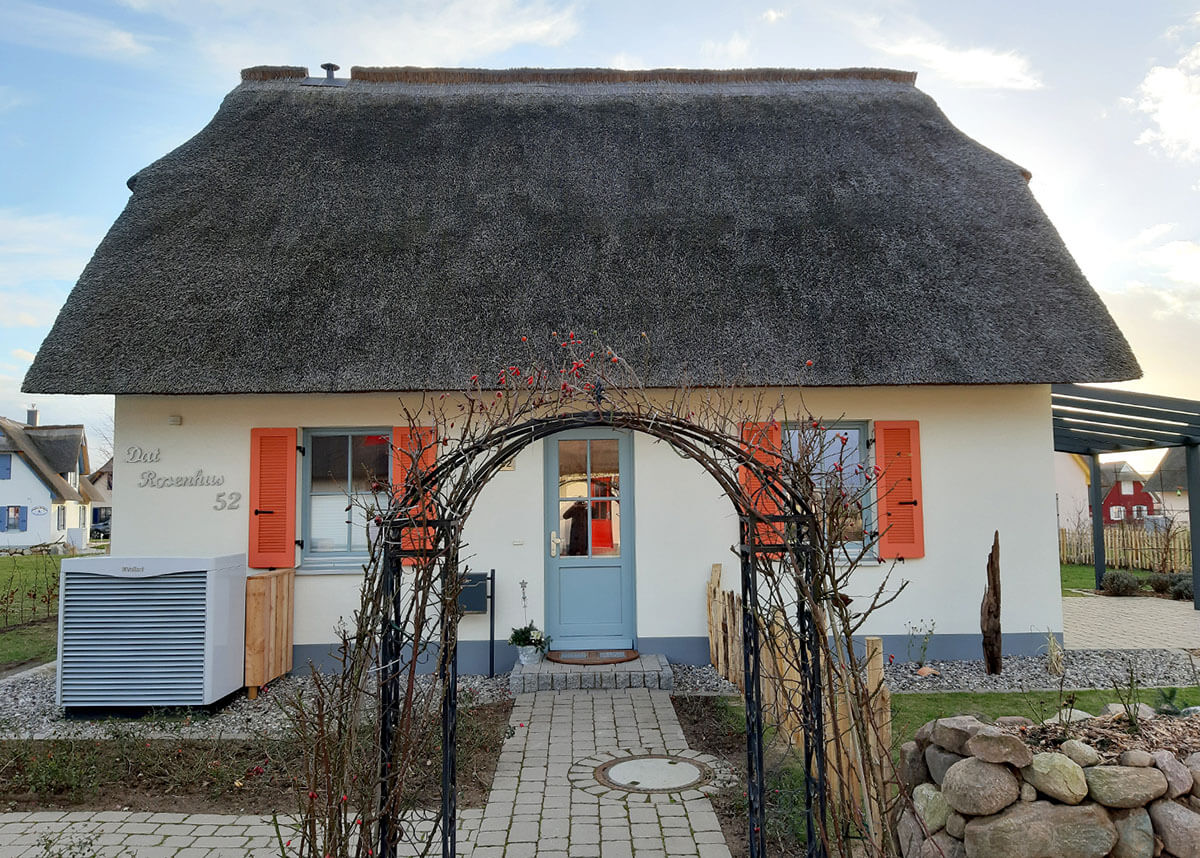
point(423, 528)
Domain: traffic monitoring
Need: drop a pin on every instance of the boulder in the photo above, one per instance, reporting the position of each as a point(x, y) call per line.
point(930, 807)
point(1136, 758)
point(1179, 778)
point(955, 823)
point(909, 834)
point(1014, 721)
point(1178, 827)
point(1041, 829)
point(952, 733)
point(1028, 793)
point(976, 788)
point(1069, 716)
point(1057, 776)
point(1189, 711)
point(913, 770)
point(1135, 835)
point(942, 845)
point(939, 761)
point(1124, 786)
point(1081, 752)
point(1118, 710)
point(924, 735)
point(993, 745)
point(1192, 763)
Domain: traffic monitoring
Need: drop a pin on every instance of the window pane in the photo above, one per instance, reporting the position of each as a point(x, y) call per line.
point(327, 524)
point(606, 528)
point(572, 469)
point(605, 468)
point(363, 506)
point(574, 528)
point(369, 460)
point(329, 463)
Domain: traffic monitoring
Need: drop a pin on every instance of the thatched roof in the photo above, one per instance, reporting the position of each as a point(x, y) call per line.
point(405, 230)
point(48, 452)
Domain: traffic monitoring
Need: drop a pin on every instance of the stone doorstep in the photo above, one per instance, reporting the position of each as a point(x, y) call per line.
point(647, 671)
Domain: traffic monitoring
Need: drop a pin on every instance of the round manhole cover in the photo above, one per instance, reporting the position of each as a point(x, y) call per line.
point(656, 773)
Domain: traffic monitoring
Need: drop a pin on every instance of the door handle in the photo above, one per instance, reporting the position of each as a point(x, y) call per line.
point(554, 543)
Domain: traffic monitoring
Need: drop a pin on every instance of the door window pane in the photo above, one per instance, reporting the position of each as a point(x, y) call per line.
point(572, 469)
point(329, 463)
point(606, 468)
point(573, 528)
point(606, 528)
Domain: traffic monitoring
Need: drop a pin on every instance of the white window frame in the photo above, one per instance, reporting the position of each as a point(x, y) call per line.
point(1116, 513)
point(1140, 511)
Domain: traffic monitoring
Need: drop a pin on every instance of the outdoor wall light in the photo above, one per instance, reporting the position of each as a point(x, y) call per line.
point(174, 420)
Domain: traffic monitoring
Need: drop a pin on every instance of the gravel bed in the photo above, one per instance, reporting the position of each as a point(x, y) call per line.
point(1085, 668)
point(697, 680)
point(28, 710)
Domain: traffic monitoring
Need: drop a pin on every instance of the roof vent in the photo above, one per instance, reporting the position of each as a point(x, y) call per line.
point(328, 80)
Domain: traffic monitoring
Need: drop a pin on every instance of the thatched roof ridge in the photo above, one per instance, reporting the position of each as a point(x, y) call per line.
point(404, 235)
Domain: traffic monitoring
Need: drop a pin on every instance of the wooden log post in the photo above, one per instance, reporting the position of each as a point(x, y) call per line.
point(989, 612)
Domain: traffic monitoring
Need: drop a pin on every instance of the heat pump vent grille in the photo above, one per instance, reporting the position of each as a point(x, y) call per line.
point(133, 641)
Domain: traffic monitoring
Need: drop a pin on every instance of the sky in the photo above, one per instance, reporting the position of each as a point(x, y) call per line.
point(1099, 100)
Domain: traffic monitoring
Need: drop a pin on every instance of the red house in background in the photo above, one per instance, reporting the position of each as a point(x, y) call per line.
point(1127, 498)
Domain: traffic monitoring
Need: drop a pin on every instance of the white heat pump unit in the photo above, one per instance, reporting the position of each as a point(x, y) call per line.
point(150, 631)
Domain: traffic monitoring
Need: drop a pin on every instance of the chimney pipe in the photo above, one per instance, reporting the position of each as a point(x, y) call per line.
point(31, 415)
point(330, 68)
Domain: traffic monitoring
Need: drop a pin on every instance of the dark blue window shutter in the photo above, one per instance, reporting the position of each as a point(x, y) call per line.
point(3, 518)
point(23, 519)
point(5, 466)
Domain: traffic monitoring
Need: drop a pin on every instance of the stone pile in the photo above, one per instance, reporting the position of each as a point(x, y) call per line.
point(978, 791)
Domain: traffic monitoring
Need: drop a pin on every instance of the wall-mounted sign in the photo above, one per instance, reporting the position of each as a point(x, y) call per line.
point(142, 456)
point(39, 510)
point(152, 480)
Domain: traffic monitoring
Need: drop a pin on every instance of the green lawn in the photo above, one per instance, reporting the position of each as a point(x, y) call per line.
point(1084, 577)
point(910, 711)
point(28, 605)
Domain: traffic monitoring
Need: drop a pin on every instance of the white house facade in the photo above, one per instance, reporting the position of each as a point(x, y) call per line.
point(827, 238)
point(40, 504)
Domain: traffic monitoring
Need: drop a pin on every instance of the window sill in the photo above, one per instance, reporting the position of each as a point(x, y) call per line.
point(332, 565)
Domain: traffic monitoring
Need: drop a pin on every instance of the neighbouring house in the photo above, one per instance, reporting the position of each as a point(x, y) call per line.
point(1072, 476)
point(1169, 483)
point(101, 482)
point(1127, 500)
point(42, 498)
point(323, 252)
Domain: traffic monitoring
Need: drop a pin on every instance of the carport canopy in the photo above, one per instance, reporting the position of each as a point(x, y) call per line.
point(1093, 420)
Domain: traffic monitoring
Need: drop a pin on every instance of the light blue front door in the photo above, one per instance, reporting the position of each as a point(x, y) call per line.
point(589, 540)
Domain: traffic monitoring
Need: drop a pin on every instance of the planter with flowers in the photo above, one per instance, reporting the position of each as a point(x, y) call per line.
point(530, 642)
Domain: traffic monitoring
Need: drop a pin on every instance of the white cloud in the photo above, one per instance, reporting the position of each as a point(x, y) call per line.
point(233, 35)
point(23, 354)
point(771, 16)
point(38, 248)
point(64, 32)
point(1170, 96)
point(626, 61)
point(981, 68)
point(1177, 261)
point(731, 52)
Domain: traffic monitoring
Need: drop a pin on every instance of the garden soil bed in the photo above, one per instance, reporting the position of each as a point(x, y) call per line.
point(210, 776)
point(712, 725)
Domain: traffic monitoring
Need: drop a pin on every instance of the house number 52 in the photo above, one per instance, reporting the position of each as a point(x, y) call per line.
point(227, 500)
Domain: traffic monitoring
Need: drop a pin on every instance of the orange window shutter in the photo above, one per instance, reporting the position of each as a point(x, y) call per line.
point(272, 499)
point(413, 447)
point(900, 506)
point(764, 443)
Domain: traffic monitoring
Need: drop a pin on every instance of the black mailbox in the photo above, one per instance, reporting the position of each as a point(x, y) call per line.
point(472, 598)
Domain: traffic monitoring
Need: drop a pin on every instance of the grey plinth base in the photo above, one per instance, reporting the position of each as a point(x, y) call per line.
point(647, 671)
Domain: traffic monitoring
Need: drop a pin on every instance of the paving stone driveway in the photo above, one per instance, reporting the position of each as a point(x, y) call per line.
point(1129, 622)
point(538, 806)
